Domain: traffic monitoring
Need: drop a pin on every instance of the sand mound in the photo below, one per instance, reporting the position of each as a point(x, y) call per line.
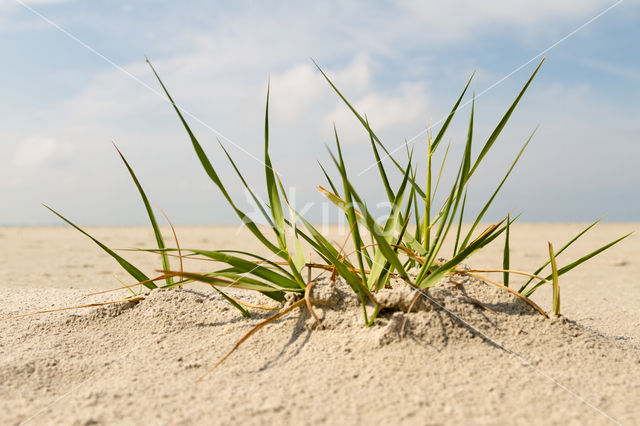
point(454, 311)
point(102, 359)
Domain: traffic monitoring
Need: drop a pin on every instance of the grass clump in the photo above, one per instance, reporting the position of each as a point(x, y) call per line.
point(384, 251)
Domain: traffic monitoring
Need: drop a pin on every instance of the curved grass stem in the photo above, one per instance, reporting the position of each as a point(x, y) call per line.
point(250, 333)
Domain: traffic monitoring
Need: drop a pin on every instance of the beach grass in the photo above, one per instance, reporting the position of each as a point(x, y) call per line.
point(384, 251)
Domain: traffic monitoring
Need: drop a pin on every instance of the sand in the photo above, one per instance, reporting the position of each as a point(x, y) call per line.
point(471, 353)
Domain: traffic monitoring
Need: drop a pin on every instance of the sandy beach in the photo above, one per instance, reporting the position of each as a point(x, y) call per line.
point(458, 362)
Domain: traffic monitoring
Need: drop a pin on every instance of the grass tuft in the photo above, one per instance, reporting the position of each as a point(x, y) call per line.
point(393, 253)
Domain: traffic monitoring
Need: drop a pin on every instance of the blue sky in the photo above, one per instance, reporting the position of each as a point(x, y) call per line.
point(403, 63)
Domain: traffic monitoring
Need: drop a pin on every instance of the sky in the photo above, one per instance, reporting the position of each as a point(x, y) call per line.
point(74, 79)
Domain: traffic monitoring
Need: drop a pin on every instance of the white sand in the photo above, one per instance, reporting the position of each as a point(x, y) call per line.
point(137, 364)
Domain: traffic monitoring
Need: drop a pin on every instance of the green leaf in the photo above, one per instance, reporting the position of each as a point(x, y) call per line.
point(235, 304)
point(578, 262)
point(256, 200)
point(464, 202)
point(132, 270)
point(154, 224)
point(249, 267)
point(260, 258)
point(556, 286)
point(380, 258)
point(272, 188)
point(298, 262)
point(350, 211)
point(444, 127)
point(568, 244)
point(327, 251)
point(378, 234)
point(488, 204)
point(239, 281)
point(429, 280)
point(333, 187)
point(496, 132)
point(366, 126)
point(213, 175)
point(505, 256)
point(381, 170)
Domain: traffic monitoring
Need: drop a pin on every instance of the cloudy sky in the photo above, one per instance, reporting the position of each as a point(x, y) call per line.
point(73, 79)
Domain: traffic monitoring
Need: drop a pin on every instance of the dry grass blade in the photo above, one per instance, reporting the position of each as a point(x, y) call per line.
point(251, 305)
point(175, 238)
point(128, 287)
point(307, 299)
point(339, 202)
point(124, 287)
point(510, 271)
point(512, 291)
point(481, 305)
point(90, 305)
point(250, 333)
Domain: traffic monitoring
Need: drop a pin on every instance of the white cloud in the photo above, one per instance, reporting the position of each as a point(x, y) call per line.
point(301, 91)
point(9, 4)
point(460, 19)
point(295, 91)
point(36, 152)
point(403, 108)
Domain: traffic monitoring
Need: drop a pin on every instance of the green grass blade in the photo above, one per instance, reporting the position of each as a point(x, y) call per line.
point(326, 249)
point(298, 261)
point(237, 281)
point(444, 161)
point(235, 304)
point(249, 267)
point(367, 127)
point(506, 255)
point(414, 244)
point(444, 127)
point(443, 229)
point(377, 232)
point(418, 233)
point(351, 215)
point(464, 203)
point(467, 150)
point(388, 252)
point(272, 188)
point(448, 213)
point(567, 245)
point(132, 270)
point(213, 175)
point(259, 258)
point(426, 232)
point(496, 132)
point(578, 262)
point(333, 187)
point(488, 204)
point(256, 200)
point(392, 223)
point(154, 224)
point(428, 223)
point(431, 279)
point(556, 286)
point(463, 180)
point(383, 174)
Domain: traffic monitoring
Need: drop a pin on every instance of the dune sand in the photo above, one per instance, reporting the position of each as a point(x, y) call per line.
point(471, 353)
